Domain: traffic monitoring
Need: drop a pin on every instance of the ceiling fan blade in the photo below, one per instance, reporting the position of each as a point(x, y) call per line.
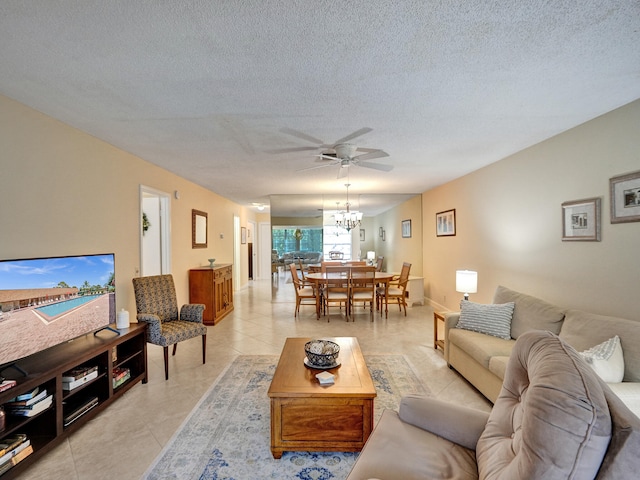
point(316, 167)
point(302, 135)
point(355, 134)
point(376, 166)
point(367, 150)
point(291, 150)
point(343, 172)
point(371, 155)
point(325, 156)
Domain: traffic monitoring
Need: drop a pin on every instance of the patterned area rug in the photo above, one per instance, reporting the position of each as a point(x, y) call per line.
point(227, 435)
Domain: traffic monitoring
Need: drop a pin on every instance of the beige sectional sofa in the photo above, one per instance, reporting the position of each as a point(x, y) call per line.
point(482, 358)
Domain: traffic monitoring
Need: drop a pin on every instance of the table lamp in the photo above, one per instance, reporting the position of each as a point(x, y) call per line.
point(371, 256)
point(466, 282)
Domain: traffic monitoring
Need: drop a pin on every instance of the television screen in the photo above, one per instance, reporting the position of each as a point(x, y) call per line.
point(47, 301)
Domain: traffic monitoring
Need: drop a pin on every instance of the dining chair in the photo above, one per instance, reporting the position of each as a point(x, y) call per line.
point(363, 288)
point(379, 262)
point(304, 293)
point(156, 305)
point(396, 290)
point(335, 288)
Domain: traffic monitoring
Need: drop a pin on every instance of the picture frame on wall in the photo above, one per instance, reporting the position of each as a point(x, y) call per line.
point(243, 235)
point(384, 235)
point(362, 234)
point(625, 198)
point(199, 229)
point(380, 232)
point(446, 223)
point(406, 228)
point(581, 220)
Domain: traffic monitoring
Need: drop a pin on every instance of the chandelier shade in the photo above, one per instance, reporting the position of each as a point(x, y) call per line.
point(346, 218)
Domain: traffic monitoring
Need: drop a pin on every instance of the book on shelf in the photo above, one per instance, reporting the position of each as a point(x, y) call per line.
point(31, 410)
point(78, 373)
point(80, 381)
point(121, 379)
point(79, 409)
point(26, 403)
point(15, 450)
point(7, 384)
point(9, 443)
point(27, 395)
point(119, 372)
point(16, 459)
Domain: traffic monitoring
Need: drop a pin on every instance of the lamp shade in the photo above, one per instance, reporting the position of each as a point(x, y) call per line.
point(371, 256)
point(466, 281)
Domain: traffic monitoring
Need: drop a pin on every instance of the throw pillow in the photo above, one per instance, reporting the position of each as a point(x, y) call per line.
point(607, 360)
point(493, 319)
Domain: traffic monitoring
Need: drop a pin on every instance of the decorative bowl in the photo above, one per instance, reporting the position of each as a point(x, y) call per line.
point(322, 353)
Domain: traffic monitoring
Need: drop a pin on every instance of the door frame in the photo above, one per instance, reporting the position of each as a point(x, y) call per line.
point(165, 227)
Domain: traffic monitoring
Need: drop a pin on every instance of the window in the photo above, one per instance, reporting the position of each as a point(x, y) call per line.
point(294, 239)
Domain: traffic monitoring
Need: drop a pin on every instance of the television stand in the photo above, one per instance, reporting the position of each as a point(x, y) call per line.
point(73, 408)
point(15, 366)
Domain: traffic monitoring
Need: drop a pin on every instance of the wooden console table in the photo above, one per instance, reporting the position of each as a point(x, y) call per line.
point(106, 350)
point(214, 288)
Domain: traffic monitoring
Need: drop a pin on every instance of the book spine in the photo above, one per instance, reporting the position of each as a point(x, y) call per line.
point(7, 384)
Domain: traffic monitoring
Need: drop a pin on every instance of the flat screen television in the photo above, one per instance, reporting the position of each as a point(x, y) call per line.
point(48, 301)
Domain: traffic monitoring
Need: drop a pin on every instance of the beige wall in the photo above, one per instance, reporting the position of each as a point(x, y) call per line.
point(509, 223)
point(64, 192)
point(395, 249)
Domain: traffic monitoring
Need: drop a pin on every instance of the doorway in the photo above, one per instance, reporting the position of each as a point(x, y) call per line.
point(155, 227)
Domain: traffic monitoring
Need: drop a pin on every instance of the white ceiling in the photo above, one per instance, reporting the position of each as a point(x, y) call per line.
point(204, 88)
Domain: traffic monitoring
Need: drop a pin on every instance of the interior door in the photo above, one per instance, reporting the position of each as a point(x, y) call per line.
point(155, 245)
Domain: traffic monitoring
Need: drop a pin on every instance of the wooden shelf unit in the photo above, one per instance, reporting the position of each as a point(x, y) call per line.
point(214, 288)
point(105, 350)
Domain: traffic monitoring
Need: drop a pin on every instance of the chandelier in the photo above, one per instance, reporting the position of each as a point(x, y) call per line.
point(347, 219)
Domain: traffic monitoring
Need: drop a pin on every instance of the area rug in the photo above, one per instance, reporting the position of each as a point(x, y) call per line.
point(227, 435)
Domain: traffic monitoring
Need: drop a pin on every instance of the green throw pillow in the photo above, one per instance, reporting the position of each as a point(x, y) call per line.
point(492, 319)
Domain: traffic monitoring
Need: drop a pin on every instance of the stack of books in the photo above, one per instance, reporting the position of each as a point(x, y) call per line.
point(13, 450)
point(120, 375)
point(30, 403)
point(78, 376)
point(7, 384)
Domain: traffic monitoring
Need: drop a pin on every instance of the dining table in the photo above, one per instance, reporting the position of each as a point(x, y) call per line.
point(317, 278)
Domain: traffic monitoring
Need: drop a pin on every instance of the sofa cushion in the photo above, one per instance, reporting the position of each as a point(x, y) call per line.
point(629, 393)
point(530, 313)
point(607, 360)
point(479, 346)
point(551, 419)
point(397, 449)
point(492, 320)
point(498, 365)
point(583, 330)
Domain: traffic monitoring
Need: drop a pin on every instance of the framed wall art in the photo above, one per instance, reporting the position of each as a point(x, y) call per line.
point(581, 220)
point(380, 232)
point(384, 235)
point(446, 223)
point(625, 198)
point(362, 234)
point(406, 228)
point(198, 229)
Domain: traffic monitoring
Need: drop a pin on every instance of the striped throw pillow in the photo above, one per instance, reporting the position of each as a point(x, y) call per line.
point(492, 319)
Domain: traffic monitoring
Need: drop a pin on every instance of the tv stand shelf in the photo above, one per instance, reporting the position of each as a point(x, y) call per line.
point(106, 350)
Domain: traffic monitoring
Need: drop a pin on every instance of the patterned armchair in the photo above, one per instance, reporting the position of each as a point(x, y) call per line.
point(156, 304)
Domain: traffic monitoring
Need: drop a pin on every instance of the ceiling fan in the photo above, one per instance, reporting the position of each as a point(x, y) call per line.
point(341, 152)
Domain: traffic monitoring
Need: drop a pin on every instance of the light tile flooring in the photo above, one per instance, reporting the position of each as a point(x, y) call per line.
point(124, 440)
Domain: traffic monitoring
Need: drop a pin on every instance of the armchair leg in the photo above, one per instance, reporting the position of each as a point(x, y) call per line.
point(166, 362)
point(204, 349)
point(175, 345)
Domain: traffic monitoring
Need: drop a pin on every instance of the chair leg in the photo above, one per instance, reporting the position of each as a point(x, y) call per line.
point(166, 363)
point(175, 346)
point(204, 349)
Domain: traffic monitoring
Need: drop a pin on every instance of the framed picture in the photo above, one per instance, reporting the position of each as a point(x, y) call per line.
point(406, 228)
point(198, 229)
point(243, 235)
point(380, 232)
point(362, 234)
point(581, 220)
point(384, 235)
point(625, 198)
point(446, 223)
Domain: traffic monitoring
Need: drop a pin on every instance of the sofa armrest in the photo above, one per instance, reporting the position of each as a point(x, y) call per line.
point(450, 321)
point(458, 424)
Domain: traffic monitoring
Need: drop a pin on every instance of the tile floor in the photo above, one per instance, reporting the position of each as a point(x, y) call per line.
point(124, 440)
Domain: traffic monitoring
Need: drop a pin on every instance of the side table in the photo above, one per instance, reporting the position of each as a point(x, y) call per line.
point(437, 316)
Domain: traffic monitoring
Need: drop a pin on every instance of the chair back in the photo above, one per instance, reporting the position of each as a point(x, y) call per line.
point(336, 255)
point(336, 277)
point(156, 295)
point(294, 276)
point(363, 279)
point(379, 264)
point(404, 275)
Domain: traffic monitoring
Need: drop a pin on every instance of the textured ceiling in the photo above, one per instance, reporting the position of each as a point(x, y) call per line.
point(204, 88)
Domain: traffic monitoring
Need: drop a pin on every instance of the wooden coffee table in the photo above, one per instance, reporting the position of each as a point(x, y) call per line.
point(308, 416)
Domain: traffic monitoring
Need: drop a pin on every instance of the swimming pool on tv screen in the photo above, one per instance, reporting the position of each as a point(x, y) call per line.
point(59, 308)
